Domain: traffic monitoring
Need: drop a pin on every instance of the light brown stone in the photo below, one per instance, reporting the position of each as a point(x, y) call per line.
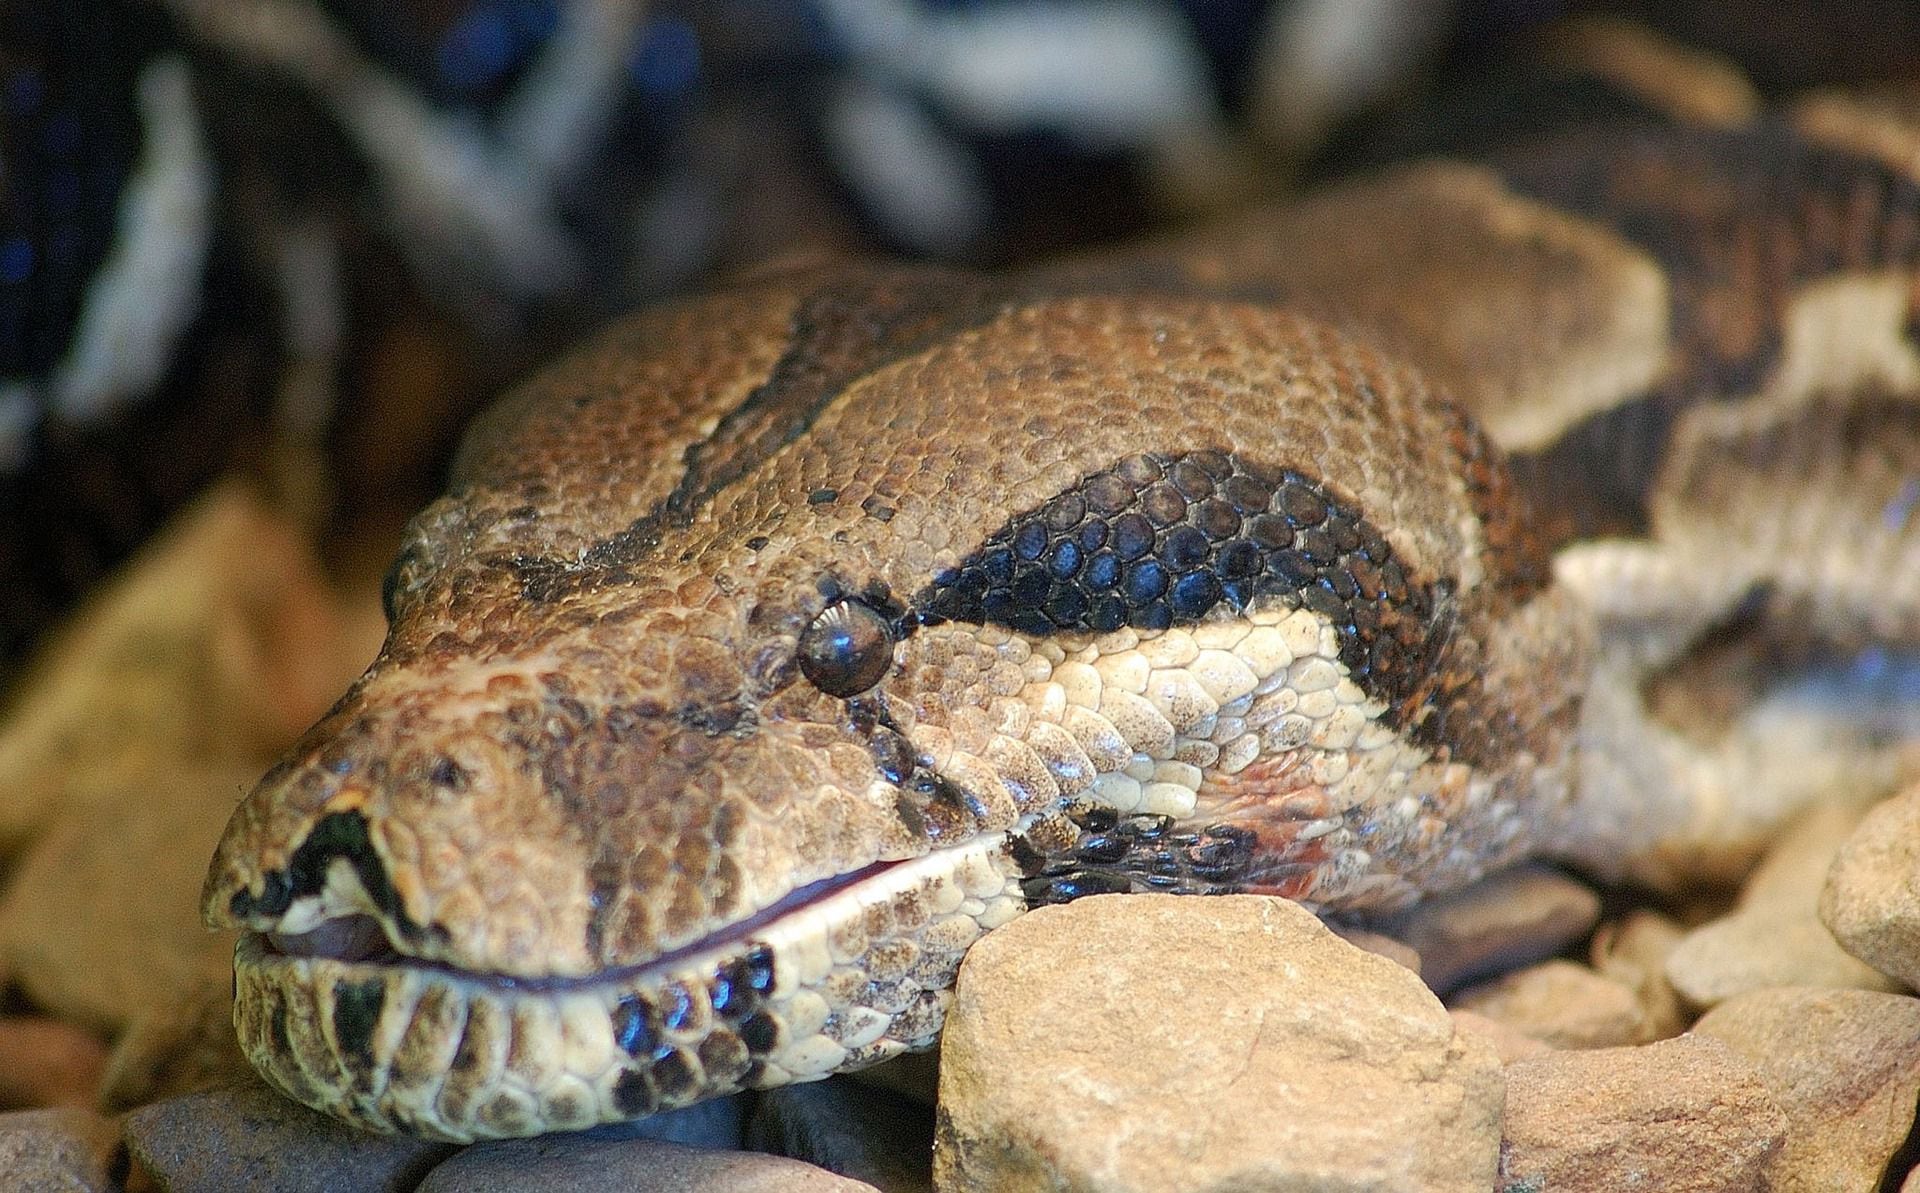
point(1633, 951)
point(212, 649)
point(44, 1062)
point(1871, 900)
point(1764, 947)
point(1687, 1115)
point(1396, 951)
point(101, 922)
point(1560, 1004)
point(1774, 936)
point(566, 1163)
point(1161, 1043)
point(1511, 919)
point(1508, 1043)
point(1845, 1067)
point(178, 1047)
point(130, 740)
point(67, 1149)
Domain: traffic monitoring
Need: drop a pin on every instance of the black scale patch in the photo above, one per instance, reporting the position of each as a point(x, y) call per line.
point(1113, 855)
point(1162, 539)
point(733, 1053)
point(356, 1013)
point(335, 835)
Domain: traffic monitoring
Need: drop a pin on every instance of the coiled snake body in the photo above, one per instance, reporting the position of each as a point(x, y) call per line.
point(777, 643)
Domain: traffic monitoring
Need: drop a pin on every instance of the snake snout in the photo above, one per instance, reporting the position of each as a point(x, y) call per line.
point(336, 871)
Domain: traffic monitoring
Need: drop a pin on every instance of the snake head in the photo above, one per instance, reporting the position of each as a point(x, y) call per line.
point(776, 644)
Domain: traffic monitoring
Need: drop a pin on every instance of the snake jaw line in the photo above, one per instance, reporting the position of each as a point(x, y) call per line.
point(832, 983)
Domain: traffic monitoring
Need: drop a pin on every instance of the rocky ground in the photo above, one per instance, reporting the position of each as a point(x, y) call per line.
point(1529, 1034)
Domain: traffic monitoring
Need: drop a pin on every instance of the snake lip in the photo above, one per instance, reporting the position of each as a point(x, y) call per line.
point(362, 941)
point(842, 973)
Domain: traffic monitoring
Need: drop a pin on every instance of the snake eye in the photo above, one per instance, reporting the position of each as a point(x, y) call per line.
point(847, 649)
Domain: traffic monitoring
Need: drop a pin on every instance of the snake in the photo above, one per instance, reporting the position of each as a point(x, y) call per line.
point(774, 645)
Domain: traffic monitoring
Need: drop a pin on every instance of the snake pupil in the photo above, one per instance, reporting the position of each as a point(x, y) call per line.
point(847, 649)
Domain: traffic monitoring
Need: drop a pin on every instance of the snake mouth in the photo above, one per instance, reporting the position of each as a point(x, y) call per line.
point(365, 938)
point(840, 975)
point(356, 937)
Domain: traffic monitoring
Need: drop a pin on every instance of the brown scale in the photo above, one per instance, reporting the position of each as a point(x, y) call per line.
point(627, 733)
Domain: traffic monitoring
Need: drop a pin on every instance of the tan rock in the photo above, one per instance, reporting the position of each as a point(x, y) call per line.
point(68, 1149)
point(1511, 919)
point(1633, 951)
point(213, 649)
point(568, 1163)
point(1396, 951)
point(1845, 1067)
point(1871, 900)
point(44, 1062)
point(132, 737)
point(1687, 1115)
point(1774, 936)
point(1509, 1044)
point(1162, 1043)
point(1755, 950)
point(1560, 1004)
point(178, 1048)
point(101, 922)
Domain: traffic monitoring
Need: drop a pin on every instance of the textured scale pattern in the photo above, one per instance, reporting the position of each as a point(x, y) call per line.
point(786, 638)
point(1155, 540)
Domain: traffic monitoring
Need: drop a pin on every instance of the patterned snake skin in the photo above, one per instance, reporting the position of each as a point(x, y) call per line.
point(776, 644)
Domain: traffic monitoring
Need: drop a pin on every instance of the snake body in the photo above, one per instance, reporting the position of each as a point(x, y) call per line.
point(777, 643)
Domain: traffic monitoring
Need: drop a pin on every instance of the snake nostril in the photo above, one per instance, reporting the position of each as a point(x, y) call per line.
point(449, 775)
point(340, 836)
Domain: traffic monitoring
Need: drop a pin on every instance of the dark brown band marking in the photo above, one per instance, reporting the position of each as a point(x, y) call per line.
point(1510, 104)
point(1596, 478)
point(1740, 220)
point(842, 331)
point(356, 1014)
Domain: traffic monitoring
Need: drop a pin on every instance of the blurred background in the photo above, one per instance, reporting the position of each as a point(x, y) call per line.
point(303, 240)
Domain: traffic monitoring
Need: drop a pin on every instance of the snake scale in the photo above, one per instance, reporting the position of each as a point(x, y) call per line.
point(777, 643)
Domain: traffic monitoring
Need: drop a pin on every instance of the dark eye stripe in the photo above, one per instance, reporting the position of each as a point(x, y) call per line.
point(1162, 539)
